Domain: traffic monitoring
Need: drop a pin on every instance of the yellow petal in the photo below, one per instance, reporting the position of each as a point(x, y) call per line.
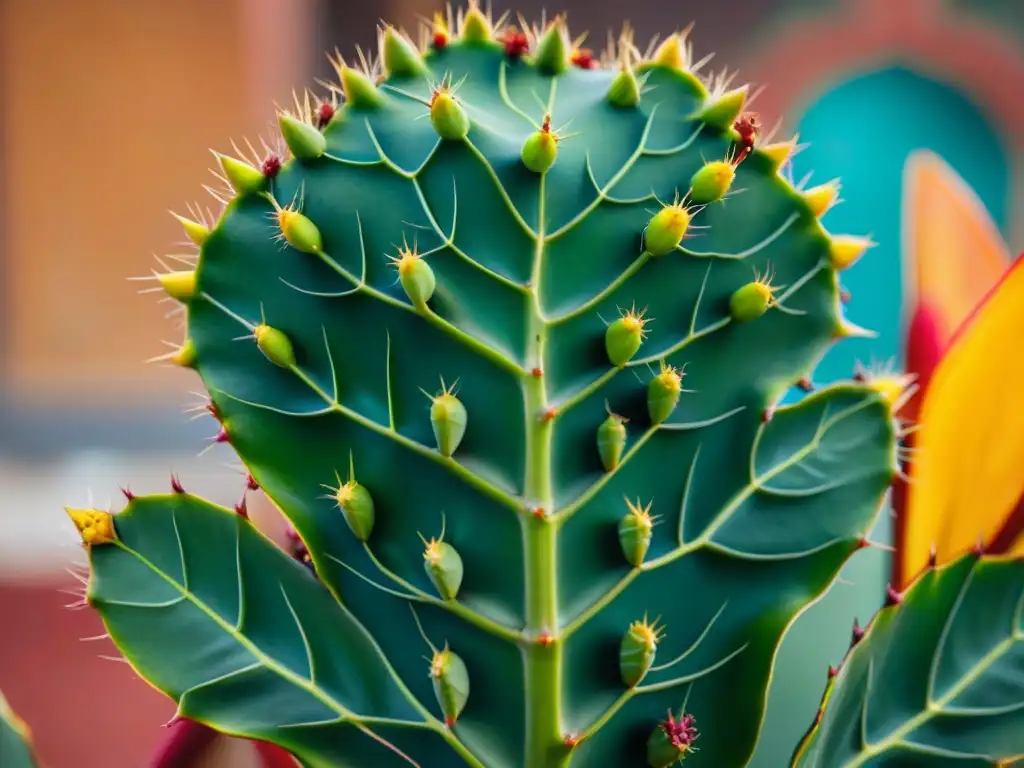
point(954, 253)
point(966, 475)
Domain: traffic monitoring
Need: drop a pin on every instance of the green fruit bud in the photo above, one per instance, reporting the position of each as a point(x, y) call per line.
point(451, 684)
point(666, 229)
point(552, 54)
point(475, 26)
point(611, 440)
point(274, 345)
point(448, 117)
point(304, 141)
point(180, 286)
point(400, 57)
point(725, 110)
point(711, 182)
point(359, 90)
point(624, 92)
point(540, 149)
point(671, 741)
point(750, 302)
point(243, 177)
point(637, 651)
point(635, 532)
point(444, 567)
point(624, 336)
point(663, 393)
point(448, 417)
point(416, 276)
point(195, 231)
point(356, 506)
point(299, 231)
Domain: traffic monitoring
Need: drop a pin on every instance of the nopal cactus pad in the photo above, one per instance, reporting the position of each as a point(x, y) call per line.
point(537, 430)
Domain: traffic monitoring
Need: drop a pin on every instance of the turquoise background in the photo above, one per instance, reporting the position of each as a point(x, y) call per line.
point(862, 131)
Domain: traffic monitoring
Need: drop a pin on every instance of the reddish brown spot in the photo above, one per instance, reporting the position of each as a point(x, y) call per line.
point(440, 41)
point(324, 115)
point(892, 597)
point(832, 671)
point(747, 126)
point(128, 493)
point(545, 127)
point(250, 483)
point(538, 512)
point(271, 165)
point(933, 556)
point(449, 721)
point(536, 373)
point(979, 548)
point(176, 485)
point(805, 384)
point(241, 508)
point(549, 414)
point(583, 58)
point(863, 543)
point(859, 376)
point(857, 634)
point(222, 436)
point(545, 638)
point(681, 733)
point(844, 296)
point(767, 414)
point(213, 410)
point(571, 740)
point(516, 43)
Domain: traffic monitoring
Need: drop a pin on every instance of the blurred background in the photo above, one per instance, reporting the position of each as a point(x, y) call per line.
point(107, 110)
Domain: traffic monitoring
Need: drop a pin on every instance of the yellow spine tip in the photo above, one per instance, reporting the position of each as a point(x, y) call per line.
point(890, 387)
point(670, 54)
point(94, 525)
point(820, 198)
point(846, 250)
point(186, 355)
point(194, 231)
point(779, 152)
point(180, 286)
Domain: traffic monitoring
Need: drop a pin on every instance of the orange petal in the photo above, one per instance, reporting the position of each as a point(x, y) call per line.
point(953, 251)
point(966, 477)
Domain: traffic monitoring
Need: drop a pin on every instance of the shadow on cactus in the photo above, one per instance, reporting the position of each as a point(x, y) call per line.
point(503, 338)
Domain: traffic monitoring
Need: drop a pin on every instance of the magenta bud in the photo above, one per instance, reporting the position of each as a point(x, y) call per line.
point(176, 485)
point(250, 483)
point(128, 493)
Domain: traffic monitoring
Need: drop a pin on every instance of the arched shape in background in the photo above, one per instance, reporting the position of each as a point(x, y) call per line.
point(862, 131)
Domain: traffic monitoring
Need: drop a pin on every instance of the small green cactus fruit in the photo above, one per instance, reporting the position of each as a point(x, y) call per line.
point(666, 229)
point(298, 230)
point(712, 181)
point(553, 48)
point(611, 440)
point(194, 231)
point(356, 506)
point(540, 148)
point(303, 139)
point(448, 417)
point(671, 741)
point(448, 117)
point(443, 565)
point(635, 532)
point(624, 91)
point(451, 683)
point(400, 57)
point(360, 91)
point(623, 338)
point(476, 27)
point(415, 274)
point(637, 650)
point(663, 393)
point(752, 300)
point(822, 197)
point(180, 286)
point(723, 111)
point(243, 178)
point(275, 345)
point(845, 250)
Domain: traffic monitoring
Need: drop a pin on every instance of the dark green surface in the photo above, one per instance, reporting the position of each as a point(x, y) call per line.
point(756, 518)
point(15, 741)
point(936, 681)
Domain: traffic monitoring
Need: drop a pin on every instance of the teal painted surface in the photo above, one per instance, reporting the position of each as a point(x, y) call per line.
point(863, 132)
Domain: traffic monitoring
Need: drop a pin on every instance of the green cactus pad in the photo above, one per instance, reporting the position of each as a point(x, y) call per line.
point(15, 740)
point(936, 678)
point(756, 515)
